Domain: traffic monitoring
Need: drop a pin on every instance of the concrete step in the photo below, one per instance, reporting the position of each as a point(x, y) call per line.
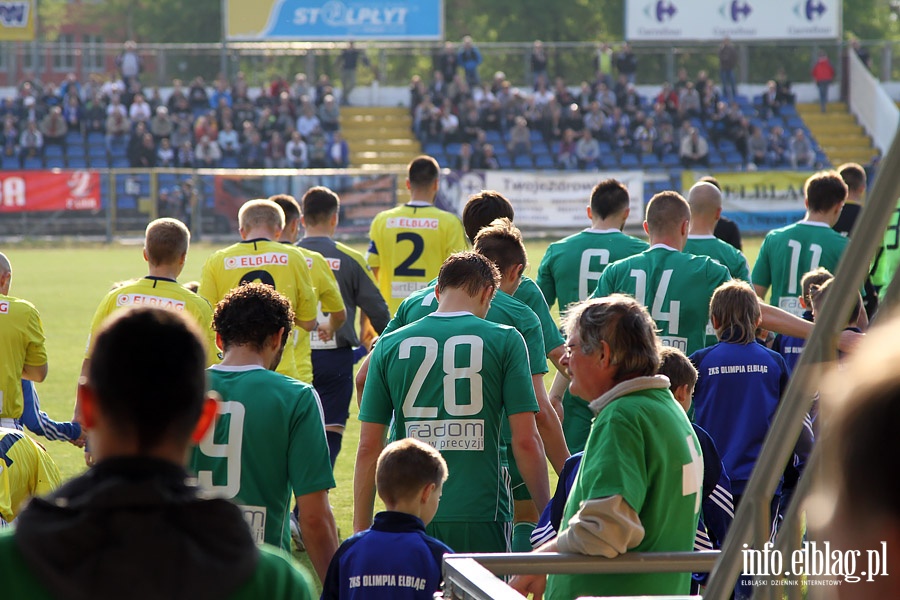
point(813, 107)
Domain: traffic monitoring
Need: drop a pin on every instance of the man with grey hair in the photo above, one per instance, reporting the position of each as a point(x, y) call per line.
point(638, 487)
point(22, 344)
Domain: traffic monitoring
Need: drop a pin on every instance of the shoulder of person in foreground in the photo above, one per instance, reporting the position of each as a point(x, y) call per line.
point(277, 577)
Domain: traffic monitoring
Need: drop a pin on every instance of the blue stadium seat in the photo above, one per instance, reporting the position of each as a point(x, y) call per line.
point(34, 163)
point(628, 161)
point(99, 162)
point(119, 162)
point(230, 162)
point(97, 151)
point(453, 149)
point(432, 148)
point(492, 136)
point(544, 161)
point(54, 150)
point(55, 162)
point(788, 110)
point(522, 162)
point(74, 137)
point(671, 160)
point(78, 162)
point(650, 160)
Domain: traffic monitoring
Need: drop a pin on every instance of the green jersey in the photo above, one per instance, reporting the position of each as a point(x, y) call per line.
point(569, 271)
point(447, 380)
point(789, 253)
point(675, 287)
point(641, 447)
point(888, 256)
point(722, 252)
point(268, 441)
point(530, 294)
point(505, 310)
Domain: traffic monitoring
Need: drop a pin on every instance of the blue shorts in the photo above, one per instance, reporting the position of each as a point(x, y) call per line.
point(333, 380)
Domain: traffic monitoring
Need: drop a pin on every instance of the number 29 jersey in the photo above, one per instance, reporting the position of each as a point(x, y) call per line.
point(676, 288)
point(447, 380)
point(409, 243)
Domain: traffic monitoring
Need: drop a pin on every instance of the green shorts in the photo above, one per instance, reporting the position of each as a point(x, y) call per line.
point(516, 483)
point(464, 536)
point(577, 419)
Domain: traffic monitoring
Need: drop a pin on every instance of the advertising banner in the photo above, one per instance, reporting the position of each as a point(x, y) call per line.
point(31, 191)
point(305, 20)
point(759, 201)
point(541, 199)
point(17, 20)
point(741, 20)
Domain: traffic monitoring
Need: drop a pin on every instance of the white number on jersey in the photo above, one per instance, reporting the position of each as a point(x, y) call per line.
point(795, 274)
point(452, 374)
point(586, 276)
point(658, 311)
point(230, 450)
point(692, 475)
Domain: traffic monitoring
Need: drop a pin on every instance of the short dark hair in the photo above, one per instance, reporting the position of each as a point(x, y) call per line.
point(423, 171)
point(319, 204)
point(405, 467)
point(289, 205)
point(677, 367)
point(468, 271)
point(147, 372)
point(710, 179)
point(501, 242)
point(824, 190)
point(818, 293)
point(166, 241)
point(251, 314)
point(482, 208)
point(853, 175)
point(609, 197)
point(667, 210)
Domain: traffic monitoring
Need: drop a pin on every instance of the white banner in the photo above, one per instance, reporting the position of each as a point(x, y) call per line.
point(742, 20)
point(542, 199)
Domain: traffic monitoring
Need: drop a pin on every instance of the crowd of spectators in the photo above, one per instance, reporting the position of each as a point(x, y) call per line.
point(285, 125)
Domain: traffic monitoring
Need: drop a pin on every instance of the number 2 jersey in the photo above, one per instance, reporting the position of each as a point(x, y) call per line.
point(409, 243)
point(674, 286)
point(447, 380)
point(267, 443)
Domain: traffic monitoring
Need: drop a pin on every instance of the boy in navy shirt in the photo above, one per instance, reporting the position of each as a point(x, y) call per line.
point(790, 347)
point(395, 559)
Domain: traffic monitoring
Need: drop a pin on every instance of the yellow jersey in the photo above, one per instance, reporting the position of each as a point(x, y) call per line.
point(25, 470)
point(158, 292)
point(328, 300)
point(21, 343)
point(408, 244)
point(281, 266)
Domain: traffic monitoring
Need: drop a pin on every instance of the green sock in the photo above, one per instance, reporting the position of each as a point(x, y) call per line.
point(521, 539)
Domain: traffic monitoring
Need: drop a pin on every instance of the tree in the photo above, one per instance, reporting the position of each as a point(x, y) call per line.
point(158, 21)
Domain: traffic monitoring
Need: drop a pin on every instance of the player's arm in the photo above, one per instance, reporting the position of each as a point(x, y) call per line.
point(360, 380)
point(37, 421)
point(557, 391)
point(318, 529)
point(555, 356)
point(761, 290)
point(371, 443)
point(549, 426)
point(783, 322)
point(336, 319)
point(36, 373)
point(529, 453)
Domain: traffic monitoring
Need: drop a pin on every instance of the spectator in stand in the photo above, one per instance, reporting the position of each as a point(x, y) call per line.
point(606, 97)
point(438, 89)
point(469, 58)
point(139, 111)
point(425, 121)
point(221, 92)
point(717, 125)
point(728, 59)
point(70, 87)
point(161, 125)
point(307, 121)
point(689, 102)
point(603, 63)
point(622, 141)
point(694, 151)
point(165, 154)
point(757, 148)
point(645, 137)
point(10, 136)
point(823, 75)
point(301, 88)
point(318, 153)
point(801, 150)
point(448, 124)
point(207, 154)
point(197, 96)
point(593, 120)
point(771, 103)
point(668, 97)
point(296, 151)
point(329, 114)
point(681, 80)
point(464, 161)
point(338, 152)
point(566, 158)
point(129, 64)
point(489, 160)
point(185, 155)
point(587, 150)
point(31, 144)
point(252, 154)
point(118, 127)
point(538, 62)
point(115, 106)
point(666, 142)
point(276, 157)
point(349, 59)
point(204, 126)
point(469, 124)
point(520, 140)
point(684, 132)
point(447, 62)
point(630, 103)
point(862, 53)
point(182, 134)
point(73, 113)
point(783, 87)
point(778, 148)
point(740, 135)
point(145, 155)
point(626, 62)
point(267, 123)
point(30, 110)
point(54, 128)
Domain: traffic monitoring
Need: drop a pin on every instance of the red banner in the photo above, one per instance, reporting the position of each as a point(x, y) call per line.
point(30, 191)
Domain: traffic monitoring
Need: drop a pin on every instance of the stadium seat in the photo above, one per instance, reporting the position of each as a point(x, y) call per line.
point(97, 151)
point(628, 161)
point(671, 160)
point(55, 162)
point(230, 162)
point(119, 162)
point(650, 160)
point(544, 161)
point(74, 137)
point(54, 150)
point(522, 162)
point(34, 163)
point(77, 162)
point(99, 162)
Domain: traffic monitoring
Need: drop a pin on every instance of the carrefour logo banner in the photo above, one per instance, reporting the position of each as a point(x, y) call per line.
point(335, 19)
point(17, 20)
point(748, 20)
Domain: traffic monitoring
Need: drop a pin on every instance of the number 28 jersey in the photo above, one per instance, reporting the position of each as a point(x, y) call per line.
point(409, 243)
point(676, 288)
point(447, 380)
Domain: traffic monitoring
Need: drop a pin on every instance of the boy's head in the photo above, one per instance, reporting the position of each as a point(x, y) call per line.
point(855, 177)
point(319, 204)
point(250, 315)
point(166, 242)
point(825, 194)
point(501, 242)
point(291, 210)
point(817, 295)
point(482, 209)
point(409, 476)
point(816, 277)
point(681, 373)
point(261, 216)
point(608, 198)
point(734, 310)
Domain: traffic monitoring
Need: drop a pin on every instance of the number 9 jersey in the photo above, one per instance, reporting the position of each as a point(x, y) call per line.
point(409, 243)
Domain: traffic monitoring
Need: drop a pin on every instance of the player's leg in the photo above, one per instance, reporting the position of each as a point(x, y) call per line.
point(525, 514)
point(462, 537)
point(333, 380)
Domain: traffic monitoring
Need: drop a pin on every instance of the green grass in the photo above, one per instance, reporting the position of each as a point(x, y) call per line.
point(66, 284)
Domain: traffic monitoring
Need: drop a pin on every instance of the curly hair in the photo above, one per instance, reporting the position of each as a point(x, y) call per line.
point(252, 313)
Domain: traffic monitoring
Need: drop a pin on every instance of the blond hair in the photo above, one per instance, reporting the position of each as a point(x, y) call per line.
point(261, 213)
point(734, 309)
point(166, 241)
